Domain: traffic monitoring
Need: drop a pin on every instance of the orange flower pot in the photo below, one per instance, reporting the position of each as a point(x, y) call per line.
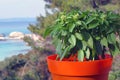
point(87, 70)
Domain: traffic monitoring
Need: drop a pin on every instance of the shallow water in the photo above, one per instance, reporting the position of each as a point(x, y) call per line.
point(13, 47)
point(9, 48)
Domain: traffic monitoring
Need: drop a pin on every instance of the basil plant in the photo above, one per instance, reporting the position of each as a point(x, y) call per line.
point(87, 34)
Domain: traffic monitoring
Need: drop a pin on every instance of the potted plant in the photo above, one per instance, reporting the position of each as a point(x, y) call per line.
point(85, 44)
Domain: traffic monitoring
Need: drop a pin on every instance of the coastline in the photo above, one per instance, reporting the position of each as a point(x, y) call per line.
point(16, 44)
point(20, 36)
point(13, 45)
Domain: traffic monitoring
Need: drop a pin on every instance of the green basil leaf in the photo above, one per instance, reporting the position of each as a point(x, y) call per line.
point(90, 42)
point(111, 38)
point(84, 45)
point(79, 36)
point(87, 53)
point(104, 42)
point(64, 33)
point(81, 55)
point(84, 24)
point(90, 20)
point(64, 53)
point(78, 23)
point(93, 25)
point(71, 27)
point(72, 40)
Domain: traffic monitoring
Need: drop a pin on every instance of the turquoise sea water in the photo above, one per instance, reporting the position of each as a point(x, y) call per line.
point(9, 48)
point(8, 27)
point(12, 47)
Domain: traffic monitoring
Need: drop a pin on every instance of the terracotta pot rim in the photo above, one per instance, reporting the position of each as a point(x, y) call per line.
point(49, 58)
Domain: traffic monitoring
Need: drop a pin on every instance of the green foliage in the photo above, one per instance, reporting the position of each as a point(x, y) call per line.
point(42, 23)
point(36, 67)
point(69, 5)
point(96, 29)
point(30, 42)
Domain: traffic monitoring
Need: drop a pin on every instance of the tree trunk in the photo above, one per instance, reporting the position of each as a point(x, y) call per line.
point(94, 5)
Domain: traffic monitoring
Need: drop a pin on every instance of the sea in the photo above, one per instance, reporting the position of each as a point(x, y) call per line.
point(8, 48)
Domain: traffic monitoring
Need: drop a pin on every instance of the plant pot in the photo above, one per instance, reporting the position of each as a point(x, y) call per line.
point(71, 70)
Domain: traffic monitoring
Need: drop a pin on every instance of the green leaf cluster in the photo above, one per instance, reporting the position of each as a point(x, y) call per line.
point(89, 34)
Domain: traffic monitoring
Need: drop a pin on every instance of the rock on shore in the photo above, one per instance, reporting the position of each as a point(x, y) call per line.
point(16, 35)
point(2, 37)
point(19, 35)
